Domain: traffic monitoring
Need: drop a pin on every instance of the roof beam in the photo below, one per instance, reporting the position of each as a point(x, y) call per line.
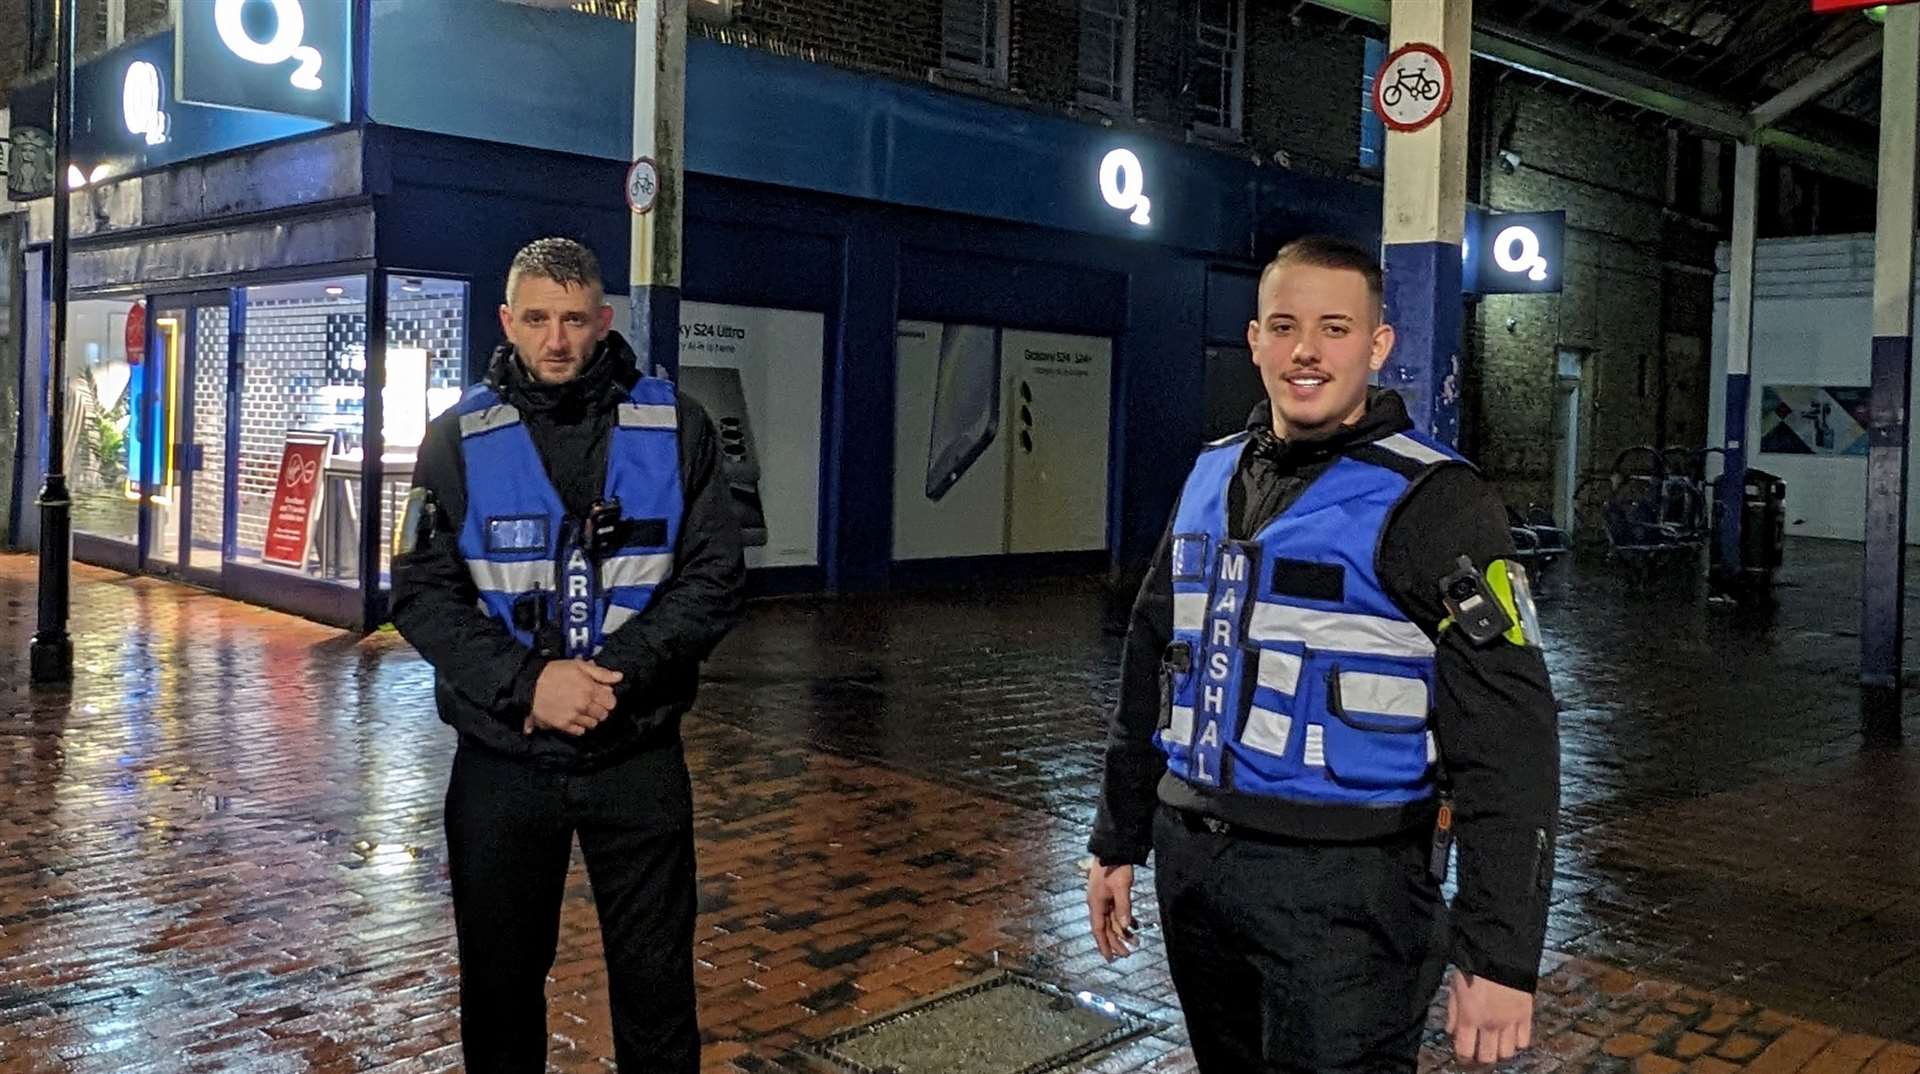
point(1837, 72)
point(1543, 59)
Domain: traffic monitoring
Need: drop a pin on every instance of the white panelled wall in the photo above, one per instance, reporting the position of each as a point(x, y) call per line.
point(1812, 324)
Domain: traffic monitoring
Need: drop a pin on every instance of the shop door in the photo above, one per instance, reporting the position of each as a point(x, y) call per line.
point(189, 390)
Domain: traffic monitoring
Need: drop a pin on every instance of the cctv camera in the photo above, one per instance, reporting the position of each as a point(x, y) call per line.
point(1509, 161)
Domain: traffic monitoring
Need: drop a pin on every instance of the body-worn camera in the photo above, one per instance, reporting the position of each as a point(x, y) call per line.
point(603, 527)
point(1470, 600)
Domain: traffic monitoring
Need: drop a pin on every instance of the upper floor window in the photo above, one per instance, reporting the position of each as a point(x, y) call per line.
point(1220, 29)
point(1106, 54)
point(973, 36)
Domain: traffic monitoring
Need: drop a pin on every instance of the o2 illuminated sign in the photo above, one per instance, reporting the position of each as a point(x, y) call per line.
point(1123, 182)
point(285, 44)
point(1513, 253)
point(142, 102)
point(291, 57)
point(1517, 249)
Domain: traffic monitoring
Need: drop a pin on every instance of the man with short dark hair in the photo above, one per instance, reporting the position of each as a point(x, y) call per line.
point(567, 558)
point(1332, 667)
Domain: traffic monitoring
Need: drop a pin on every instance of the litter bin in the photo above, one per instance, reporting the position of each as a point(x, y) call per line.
point(1763, 534)
point(1763, 525)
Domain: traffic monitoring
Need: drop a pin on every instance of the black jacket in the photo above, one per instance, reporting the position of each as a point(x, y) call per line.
point(1494, 712)
point(485, 679)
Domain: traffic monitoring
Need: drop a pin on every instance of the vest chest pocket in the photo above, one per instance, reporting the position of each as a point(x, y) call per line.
point(1376, 730)
point(1271, 743)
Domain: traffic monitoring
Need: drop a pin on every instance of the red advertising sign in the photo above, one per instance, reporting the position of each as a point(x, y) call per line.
point(303, 465)
point(1823, 7)
point(136, 334)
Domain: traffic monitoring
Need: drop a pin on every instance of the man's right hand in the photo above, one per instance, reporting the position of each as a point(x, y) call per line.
point(572, 697)
point(1110, 908)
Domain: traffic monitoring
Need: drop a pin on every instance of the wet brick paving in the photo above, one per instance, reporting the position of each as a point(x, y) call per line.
point(221, 851)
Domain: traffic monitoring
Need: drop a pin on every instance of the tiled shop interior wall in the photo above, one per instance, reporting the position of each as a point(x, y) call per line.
point(298, 349)
point(433, 321)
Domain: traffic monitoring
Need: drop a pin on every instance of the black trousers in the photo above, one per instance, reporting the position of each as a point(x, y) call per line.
point(1299, 957)
point(510, 830)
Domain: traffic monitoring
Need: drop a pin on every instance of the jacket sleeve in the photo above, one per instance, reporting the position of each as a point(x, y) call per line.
point(1123, 823)
point(1497, 725)
point(703, 598)
point(435, 605)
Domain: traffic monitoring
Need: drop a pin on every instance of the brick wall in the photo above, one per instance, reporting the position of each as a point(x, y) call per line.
point(1164, 42)
point(897, 36)
point(1044, 54)
point(1303, 91)
point(13, 44)
point(143, 17)
point(1610, 177)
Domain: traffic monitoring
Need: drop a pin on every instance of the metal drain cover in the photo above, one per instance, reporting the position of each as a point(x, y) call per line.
point(1004, 1024)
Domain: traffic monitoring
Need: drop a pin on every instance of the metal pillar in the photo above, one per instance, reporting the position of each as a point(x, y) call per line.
point(1883, 626)
point(1746, 201)
point(1425, 213)
point(659, 124)
point(50, 655)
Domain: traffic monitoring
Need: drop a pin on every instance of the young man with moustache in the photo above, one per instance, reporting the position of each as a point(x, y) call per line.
point(1332, 672)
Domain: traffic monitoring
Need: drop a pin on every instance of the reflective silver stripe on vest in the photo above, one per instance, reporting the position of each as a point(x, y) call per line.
point(1280, 672)
point(1189, 611)
point(1316, 750)
point(1406, 446)
point(1341, 631)
point(648, 416)
point(511, 577)
point(1180, 730)
point(617, 616)
point(1267, 731)
point(646, 569)
point(486, 421)
point(1388, 695)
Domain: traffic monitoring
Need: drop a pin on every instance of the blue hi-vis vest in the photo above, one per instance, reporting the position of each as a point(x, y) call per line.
point(520, 544)
point(1292, 673)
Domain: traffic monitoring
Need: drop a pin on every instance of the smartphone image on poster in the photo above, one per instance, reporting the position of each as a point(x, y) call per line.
point(966, 404)
point(720, 391)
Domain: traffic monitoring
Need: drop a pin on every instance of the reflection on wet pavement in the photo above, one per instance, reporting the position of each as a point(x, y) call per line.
point(222, 850)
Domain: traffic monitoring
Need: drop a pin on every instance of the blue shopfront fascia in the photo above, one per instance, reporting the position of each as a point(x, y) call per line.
point(128, 118)
point(752, 116)
point(785, 122)
point(904, 200)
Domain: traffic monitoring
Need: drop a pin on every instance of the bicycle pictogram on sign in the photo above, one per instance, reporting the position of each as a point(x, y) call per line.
point(1413, 87)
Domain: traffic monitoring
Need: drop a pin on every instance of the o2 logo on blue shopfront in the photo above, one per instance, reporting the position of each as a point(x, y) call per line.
point(291, 57)
point(1123, 183)
point(285, 44)
point(141, 99)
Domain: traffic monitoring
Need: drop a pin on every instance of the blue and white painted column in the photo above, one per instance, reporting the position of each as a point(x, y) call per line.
point(1746, 201)
point(1883, 626)
point(1423, 219)
point(656, 181)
